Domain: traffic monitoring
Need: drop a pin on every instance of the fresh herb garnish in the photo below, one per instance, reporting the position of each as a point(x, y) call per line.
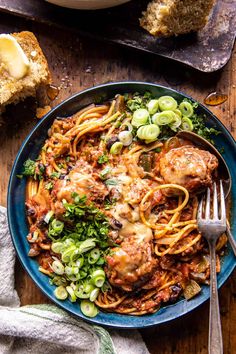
point(105, 172)
point(103, 159)
point(29, 167)
point(81, 221)
point(137, 101)
point(111, 182)
point(158, 149)
point(49, 185)
point(55, 175)
point(109, 203)
point(199, 127)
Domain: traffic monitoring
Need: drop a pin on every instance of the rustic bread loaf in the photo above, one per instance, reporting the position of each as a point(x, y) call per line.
point(173, 17)
point(12, 89)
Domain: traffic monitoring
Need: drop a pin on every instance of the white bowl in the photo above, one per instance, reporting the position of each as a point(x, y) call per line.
point(87, 4)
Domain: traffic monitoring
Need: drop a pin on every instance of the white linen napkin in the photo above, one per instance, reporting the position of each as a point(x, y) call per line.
point(46, 329)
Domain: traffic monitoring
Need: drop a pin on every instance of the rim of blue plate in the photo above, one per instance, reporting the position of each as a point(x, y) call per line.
point(16, 204)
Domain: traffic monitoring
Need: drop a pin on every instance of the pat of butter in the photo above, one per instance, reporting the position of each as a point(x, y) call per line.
point(13, 57)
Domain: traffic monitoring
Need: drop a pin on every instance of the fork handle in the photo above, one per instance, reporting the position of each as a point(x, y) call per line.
point(215, 343)
point(231, 238)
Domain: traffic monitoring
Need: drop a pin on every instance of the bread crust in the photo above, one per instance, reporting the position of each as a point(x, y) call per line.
point(13, 90)
point(164, 18)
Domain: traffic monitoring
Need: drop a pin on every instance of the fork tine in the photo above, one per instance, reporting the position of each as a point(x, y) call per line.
point(215, 202)
point(222, 203)
point(200, 207)
point(207, 206)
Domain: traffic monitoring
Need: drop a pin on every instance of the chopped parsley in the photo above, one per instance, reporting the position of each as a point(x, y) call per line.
point(200, 128)
point(108, 204)
point(55, 175)
point(49, 185)
point(29, 168)
point(158, 149)
point(103, 159)
point(81, 221)
point(137, 101)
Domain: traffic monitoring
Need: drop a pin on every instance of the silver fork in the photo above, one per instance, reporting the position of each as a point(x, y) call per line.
point(212, 225)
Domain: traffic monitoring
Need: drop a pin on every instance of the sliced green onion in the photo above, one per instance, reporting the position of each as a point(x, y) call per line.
point(79, 262)
point(71, 292)
point(57, 226)
point(87, 245)
point(74, 277)
point(148, 132)
point(81, 294)
point(94, 256)
point(94, 294)
point(88, 308)
point(48, 216)
point(74, 255)
point(69, 242)
point(58, 267)
point(140, 117)
point(84, 291)
point(167, 103)
point(125, 137)
point(104, 172)
point(88, 288)
point(82, 274)
point(61, 293)
point(175, 123)
point(66, 255)
point(57, 247)
point(178, 112)
point(152, 106)
point(163, 118)
point(69, 270)
point(98, 278)
point(129, 126)
point(187, 124)
point(116, 148)
point(35, 237)
point(186, 109)
point(58, 280)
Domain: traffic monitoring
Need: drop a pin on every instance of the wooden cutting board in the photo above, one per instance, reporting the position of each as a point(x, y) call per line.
point(208, 50)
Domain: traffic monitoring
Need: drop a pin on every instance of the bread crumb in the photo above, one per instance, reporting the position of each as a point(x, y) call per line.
point(164, 18)
point(41, 111)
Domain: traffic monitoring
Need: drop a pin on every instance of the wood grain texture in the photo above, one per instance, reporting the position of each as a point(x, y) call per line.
point(77, 63)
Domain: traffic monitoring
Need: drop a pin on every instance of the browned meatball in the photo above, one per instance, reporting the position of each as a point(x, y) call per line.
point(81, 181)
point(130, 265)
point(189, 167)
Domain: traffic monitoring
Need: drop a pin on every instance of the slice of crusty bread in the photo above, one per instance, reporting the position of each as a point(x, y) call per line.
point(174, 17)
point(13, 90)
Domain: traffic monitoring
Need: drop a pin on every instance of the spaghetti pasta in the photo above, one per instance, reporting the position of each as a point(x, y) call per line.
point(112, 222)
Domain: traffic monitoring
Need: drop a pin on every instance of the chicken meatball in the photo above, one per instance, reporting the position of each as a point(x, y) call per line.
point(189, 167)
point(130, 265)
point(82, 181)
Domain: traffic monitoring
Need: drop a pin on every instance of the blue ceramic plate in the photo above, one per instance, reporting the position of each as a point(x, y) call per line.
point(16, 203)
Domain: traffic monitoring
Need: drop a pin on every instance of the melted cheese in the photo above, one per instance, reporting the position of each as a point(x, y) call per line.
point(79, 183)
point(180, 163)
point(131, 226)
point(137, 230)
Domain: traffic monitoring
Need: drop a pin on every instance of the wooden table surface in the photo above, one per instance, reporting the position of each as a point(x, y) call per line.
point(77, 63)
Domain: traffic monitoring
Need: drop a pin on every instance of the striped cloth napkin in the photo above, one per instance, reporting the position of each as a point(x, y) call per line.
point(46, 329)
